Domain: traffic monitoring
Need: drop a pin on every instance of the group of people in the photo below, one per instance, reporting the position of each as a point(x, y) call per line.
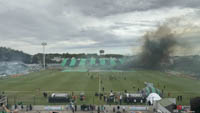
point(72, 106)
point(118, 109)
point(85, 107)
point(110, 98)
point(119, 98)
point(17, 108)
point(10, 111)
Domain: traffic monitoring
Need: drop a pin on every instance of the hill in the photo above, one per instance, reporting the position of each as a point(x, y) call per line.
point(8, 54)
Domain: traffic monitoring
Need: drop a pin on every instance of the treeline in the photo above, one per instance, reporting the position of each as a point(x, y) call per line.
point(8, 54)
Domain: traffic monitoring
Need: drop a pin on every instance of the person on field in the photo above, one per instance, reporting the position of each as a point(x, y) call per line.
point(113, 109)
point(123, 109)
point(120, 99)
point(98, 109)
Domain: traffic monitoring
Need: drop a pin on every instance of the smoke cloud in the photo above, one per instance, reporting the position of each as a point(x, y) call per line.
point(157, 47)
point(177, 36)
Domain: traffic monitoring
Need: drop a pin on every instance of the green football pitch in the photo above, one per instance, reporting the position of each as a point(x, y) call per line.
point(29, 88)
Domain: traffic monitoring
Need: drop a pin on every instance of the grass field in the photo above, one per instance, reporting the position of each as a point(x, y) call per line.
point(29, 88)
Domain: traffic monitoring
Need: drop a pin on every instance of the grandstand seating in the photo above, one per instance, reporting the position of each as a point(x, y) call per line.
point(112, 61)
point(73, 62)
point(102, 61)
point(92, 61)
point(107, 61)
point(64, 62)
point(82, 62)
point(122, 60)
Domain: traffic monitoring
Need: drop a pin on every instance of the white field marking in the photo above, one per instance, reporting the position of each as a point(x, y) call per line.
point(99, 84)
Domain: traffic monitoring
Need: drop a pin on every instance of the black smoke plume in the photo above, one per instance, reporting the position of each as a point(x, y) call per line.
point(157, 47)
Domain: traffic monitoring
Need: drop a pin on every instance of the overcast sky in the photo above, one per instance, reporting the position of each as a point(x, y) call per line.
point(78, 26)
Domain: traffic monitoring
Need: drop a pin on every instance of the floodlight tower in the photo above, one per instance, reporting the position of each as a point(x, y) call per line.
point(43, 45)
point(101, 52)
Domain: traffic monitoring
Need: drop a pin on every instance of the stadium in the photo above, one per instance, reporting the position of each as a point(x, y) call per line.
point(90, 79)
point(104, 56)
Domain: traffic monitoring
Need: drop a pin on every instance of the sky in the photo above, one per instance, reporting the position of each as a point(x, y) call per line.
point(87, 26)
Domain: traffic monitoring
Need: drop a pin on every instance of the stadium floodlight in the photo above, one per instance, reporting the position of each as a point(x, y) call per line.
point(43, 45)
point(101, 52)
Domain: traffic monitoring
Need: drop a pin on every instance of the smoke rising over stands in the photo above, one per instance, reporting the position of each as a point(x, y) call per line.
point(157, 47)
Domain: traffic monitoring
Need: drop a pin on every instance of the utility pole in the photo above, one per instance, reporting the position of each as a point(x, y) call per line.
point(43, 45)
